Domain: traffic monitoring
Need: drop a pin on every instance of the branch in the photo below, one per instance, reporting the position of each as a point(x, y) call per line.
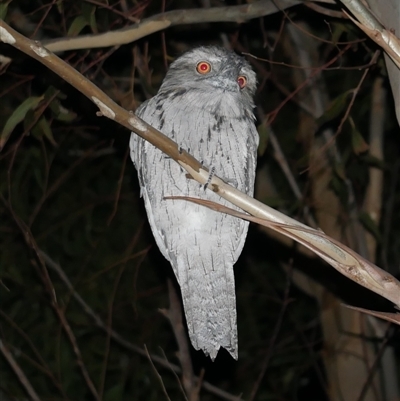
point(174, 315)
point(339, 256)
point(18, 372)
point(162, 21)
point(369, 24)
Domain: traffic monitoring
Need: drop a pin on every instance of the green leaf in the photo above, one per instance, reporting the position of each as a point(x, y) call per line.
point(42, 128)
point(3, 11)
point(51, 93)
point(60, 7)
point(338, 29)
point(60, 113)
point(86, 18)
point(88, 11)
point(335, 108)
point(17, 116)
point(357, 141)
point(77, 25)
point(65, 115)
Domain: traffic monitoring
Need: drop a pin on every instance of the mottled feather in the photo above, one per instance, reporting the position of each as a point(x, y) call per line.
point(210, 117)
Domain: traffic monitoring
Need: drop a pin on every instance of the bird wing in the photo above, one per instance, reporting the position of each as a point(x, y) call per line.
point(201, 244)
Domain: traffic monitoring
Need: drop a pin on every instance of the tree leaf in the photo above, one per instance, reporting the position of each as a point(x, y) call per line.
point(88, 12)
point(42, 128)
point(358, 143)
point(77, 25)
point(60, 113)
point(335, 108)
point(3, 11)
point(17, 116)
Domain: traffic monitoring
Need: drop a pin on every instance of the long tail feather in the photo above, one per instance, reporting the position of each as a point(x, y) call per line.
point(210, 307)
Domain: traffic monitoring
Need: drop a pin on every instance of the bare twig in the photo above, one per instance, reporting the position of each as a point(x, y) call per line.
point(325, 11)
point(273, 339)
point(179, 381)
point(171, 18)
point(354, 94)
point(157, 374)
point(76, 350)
point(370, 25)
point(41, 363)
point(118, 193)
point(174, 315)
point(18, 372)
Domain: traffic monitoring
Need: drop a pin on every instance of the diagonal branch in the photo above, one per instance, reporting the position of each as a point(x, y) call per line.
point(162, 21)
point(369, 24)
point(18, 371)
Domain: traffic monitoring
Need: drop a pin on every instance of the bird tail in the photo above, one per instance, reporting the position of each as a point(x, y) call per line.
point(209, 302)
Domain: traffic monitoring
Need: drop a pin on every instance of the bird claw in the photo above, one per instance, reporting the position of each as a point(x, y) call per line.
point(210, 177)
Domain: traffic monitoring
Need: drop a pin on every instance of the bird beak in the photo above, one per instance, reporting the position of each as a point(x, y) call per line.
point(227, 79)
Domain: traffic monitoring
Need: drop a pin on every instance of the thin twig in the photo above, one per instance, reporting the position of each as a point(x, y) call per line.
point(118, 192)
point(179, 381)
point(41, 364)
point(273, 339)
point(77, 352)
point(174, 315)
point(325, 11)
point(157, 374)
point(18, 372)
point(162, 21)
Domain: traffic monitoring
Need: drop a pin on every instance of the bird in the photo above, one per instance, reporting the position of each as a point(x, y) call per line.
point(205, 104)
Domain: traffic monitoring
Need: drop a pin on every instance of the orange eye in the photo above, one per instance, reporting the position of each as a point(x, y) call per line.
point(242, 81)
point(203, 67)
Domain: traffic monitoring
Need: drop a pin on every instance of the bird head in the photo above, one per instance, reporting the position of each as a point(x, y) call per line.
point(213, 71)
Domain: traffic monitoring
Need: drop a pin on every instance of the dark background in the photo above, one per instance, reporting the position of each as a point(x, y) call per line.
point(70, 198)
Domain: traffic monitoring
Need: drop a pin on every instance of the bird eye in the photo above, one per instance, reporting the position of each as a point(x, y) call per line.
point(203, 67)
point(242, 81)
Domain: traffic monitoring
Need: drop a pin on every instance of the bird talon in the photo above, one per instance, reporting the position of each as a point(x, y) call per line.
point(210, 177)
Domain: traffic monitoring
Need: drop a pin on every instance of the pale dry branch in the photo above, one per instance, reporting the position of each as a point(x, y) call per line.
point(339, 256)
point(369, 24)
point(156, 23)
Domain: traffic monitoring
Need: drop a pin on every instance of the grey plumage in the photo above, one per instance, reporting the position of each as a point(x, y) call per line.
point(208, 114)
